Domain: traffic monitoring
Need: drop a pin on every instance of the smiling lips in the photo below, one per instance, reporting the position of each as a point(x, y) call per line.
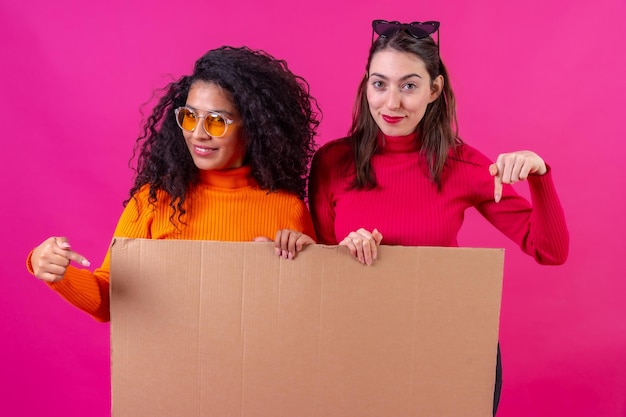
point(392, 119)
point(202, 151)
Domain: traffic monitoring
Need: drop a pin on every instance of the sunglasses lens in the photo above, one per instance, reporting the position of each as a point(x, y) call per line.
point(386, 29)
point(186, 119)
point(422, 30)
point(215, 125)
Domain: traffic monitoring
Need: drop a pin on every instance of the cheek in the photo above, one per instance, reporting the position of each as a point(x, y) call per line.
point(241, 148)
point(418, 104)
point(236, 146)
point(373, 101)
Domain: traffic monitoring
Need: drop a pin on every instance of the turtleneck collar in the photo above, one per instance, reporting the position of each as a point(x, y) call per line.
point(398, 144)
point(228, 178)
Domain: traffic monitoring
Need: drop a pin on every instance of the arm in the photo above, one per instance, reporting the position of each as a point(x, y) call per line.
point(301, 220)
point(326, 170)
point(288, 242)
point(86, 290)
point(539, 229)
point(321, 200)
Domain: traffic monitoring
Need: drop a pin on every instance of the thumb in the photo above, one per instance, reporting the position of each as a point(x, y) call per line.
point(493, 170)
point(378, 237)
point(63, 243)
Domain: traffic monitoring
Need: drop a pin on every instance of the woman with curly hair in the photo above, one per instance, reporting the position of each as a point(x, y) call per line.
point(223, 156)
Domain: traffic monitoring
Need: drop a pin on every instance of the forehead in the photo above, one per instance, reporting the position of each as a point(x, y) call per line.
point(390, 62)
point(210, 96)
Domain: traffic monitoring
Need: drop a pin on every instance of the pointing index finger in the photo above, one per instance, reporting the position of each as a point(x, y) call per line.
point(80, 259)
point(497, 182)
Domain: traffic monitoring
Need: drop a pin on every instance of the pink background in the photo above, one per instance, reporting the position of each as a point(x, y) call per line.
point(543, 75)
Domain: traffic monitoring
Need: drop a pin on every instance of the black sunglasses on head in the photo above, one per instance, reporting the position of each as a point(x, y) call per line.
point(418, 30)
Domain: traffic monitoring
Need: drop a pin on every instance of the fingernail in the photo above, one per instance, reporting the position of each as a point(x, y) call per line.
point(277, 251)
point(85, 262)
point(290, 255)
point(284, 253)
point(65, 245)
point(497, 198)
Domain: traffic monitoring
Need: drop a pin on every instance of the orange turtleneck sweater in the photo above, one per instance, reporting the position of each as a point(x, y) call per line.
point(226, 205)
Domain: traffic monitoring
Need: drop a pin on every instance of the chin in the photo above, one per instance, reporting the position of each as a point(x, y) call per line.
point(207, 167)
point(396, 131)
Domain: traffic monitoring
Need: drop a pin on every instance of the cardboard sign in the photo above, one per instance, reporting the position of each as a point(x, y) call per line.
point(203, 328)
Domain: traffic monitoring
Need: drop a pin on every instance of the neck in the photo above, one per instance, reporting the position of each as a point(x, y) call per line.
point(398, 144)
point(228, 178)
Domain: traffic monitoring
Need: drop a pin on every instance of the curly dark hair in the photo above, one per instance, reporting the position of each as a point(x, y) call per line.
point(279, 125)
point(438, 127)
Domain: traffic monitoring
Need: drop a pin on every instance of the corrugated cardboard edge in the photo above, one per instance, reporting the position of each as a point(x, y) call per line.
point(277, 368)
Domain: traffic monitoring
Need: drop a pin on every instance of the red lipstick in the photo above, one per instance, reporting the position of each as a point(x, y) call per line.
point(392, 119)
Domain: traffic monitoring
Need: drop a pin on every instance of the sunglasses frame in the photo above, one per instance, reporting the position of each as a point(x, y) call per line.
point(203, 119)
point(407, 28)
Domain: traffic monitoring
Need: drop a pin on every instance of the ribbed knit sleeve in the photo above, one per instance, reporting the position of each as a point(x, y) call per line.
point(550, 235)
point(228, 207)
point(323, 181)
point(301, 219)
point(538, 228)
point(90, 291)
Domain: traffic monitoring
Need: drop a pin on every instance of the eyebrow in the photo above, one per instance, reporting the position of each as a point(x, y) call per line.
point(406, 77)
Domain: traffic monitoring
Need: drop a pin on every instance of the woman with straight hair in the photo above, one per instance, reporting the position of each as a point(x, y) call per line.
point(404, 173)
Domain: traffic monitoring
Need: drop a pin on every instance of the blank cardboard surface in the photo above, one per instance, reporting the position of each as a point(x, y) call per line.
point(204, 328)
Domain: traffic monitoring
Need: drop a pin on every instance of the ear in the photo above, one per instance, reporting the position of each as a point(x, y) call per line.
point(436, 88)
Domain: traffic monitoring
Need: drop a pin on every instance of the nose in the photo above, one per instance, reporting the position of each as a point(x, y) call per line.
point(199, 133)
point(394, 99)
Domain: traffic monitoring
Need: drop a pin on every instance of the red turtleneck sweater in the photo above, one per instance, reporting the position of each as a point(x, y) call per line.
point(408, 209)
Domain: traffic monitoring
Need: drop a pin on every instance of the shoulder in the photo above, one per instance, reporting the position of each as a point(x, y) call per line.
point(466, 154)
point(334, 151)
point(335, 156)
point(141, 198)
point(282, 201)
point(467, 166)
point(143, 193)
point(283, 195)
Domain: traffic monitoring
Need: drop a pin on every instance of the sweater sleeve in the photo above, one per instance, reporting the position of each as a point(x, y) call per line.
point(539, 229)
point(321, 197)
point(301, 219)
point(89, 291)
